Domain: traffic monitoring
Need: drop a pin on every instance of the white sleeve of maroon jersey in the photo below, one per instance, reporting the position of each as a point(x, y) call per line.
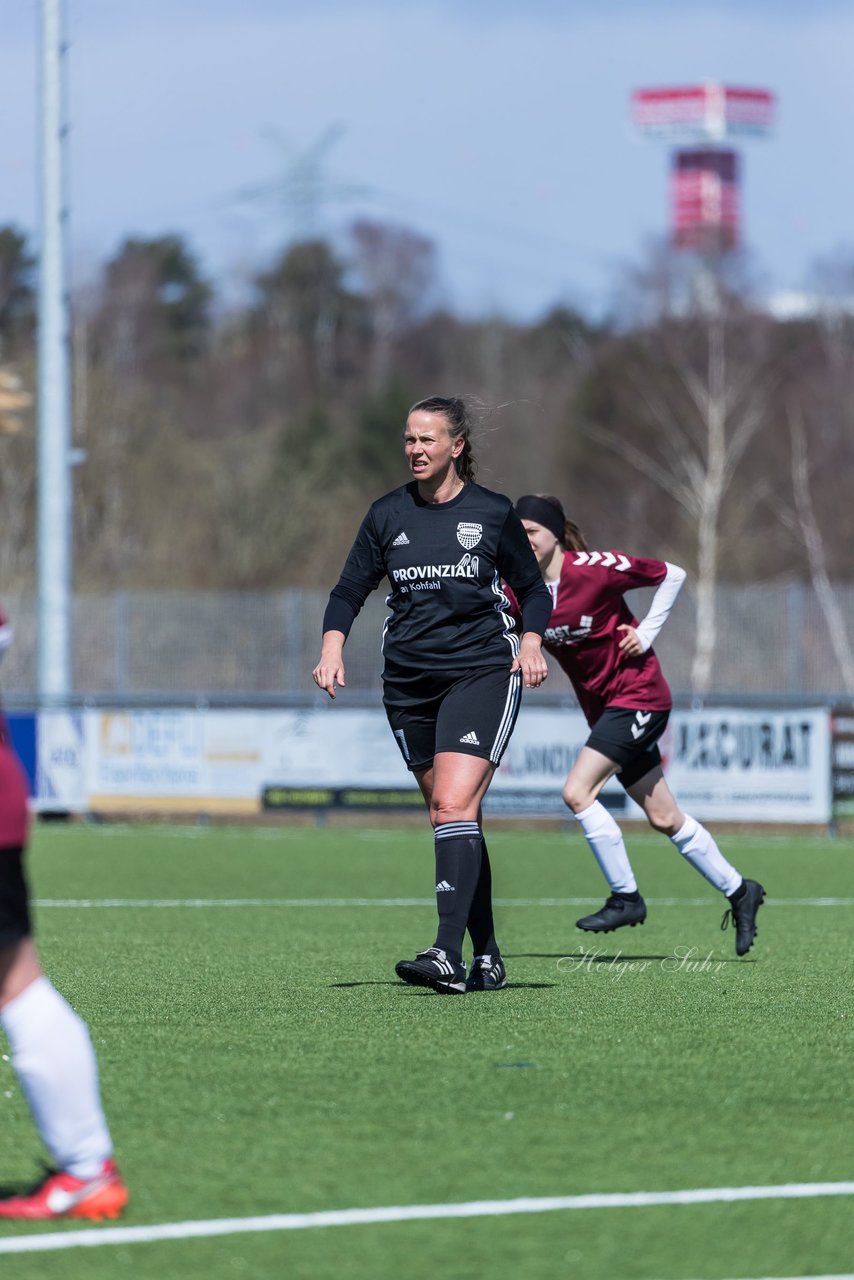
point(662, 603)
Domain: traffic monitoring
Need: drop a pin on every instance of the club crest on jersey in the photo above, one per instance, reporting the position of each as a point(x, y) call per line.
point(469, 535)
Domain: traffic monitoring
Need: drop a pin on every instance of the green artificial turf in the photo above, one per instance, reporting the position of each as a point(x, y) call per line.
point(264, 1059)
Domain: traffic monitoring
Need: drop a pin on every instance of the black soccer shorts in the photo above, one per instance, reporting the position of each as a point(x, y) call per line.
point(469, 712)
point(15, 922)
point(630, 738)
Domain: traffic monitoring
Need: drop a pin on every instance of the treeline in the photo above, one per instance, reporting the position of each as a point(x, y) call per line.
point(238, 446)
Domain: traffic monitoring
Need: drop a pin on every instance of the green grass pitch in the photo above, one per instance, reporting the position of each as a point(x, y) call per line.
point(261, 1059)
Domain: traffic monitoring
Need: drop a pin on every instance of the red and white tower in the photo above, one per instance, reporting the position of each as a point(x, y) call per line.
point(704, 174)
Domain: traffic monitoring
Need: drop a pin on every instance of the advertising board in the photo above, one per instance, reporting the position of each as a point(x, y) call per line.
point(740, 765)
point(174, 760)
point(726, 764)
point(842, 751)
point(60, 755)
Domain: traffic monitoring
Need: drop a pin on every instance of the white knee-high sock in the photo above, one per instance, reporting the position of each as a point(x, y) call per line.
point(54, 1061)
point(698, 845)
point(606, 841)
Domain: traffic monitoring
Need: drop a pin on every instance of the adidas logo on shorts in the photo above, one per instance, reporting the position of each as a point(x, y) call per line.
point(444, 887)
point(401, 541)
point(471, 738)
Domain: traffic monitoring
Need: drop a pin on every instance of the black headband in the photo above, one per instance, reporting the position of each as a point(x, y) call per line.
point(543, 512)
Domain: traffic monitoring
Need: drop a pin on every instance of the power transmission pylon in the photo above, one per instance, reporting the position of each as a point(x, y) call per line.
point(302, 188)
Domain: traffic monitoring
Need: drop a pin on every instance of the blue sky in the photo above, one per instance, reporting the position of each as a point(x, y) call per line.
point(500, 128)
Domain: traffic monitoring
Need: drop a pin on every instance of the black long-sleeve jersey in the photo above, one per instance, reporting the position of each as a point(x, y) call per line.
point(445, 562)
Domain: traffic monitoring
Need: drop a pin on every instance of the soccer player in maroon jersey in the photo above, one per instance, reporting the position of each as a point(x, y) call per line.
point(52, 1053)
point(607, 654)
point(453, 663)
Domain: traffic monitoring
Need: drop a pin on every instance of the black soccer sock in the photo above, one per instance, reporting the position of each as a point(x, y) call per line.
point(480, 923)
point(458, 858)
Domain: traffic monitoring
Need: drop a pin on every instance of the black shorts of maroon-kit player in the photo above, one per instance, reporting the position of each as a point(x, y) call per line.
point(469, 712)
point(15, 922)
point(629, 736)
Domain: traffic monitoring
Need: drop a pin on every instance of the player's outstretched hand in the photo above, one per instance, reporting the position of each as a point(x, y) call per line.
point(531, 661)
point(329, 674)
point(329, 671)
point(631, 643)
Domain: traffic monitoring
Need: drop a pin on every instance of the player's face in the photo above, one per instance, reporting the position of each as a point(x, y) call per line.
point(429, 449)
point(543, 542)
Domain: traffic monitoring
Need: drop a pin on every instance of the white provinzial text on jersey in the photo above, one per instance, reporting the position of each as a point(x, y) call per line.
point(467, 568)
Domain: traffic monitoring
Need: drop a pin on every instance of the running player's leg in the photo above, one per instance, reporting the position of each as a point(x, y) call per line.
point(581, 791)
point(696, 844)
point(54, 1061)
point(51, 1051)
point(622, 741)
point(699, 847)
point(53, 1058)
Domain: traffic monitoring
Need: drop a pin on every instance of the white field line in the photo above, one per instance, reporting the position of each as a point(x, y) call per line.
point(406, 902)
point(94, 1236)
point(192, 830)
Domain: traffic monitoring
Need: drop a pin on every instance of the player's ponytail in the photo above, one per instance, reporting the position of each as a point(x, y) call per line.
point(456, 414)
point(573, 539)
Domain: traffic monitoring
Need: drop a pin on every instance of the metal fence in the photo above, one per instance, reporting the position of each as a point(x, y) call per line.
point(252, 647)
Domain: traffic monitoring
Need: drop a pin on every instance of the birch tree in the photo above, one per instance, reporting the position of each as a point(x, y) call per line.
point(804, 521)
point(695, 394)
point(819, 409)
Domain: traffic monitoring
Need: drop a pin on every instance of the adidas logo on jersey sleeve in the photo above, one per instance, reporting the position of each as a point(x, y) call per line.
point(401, 540)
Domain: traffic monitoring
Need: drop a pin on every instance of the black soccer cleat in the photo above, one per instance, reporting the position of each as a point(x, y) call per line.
point(432, 968)
point(744, 904)
point(617, 912)
point(487, 974)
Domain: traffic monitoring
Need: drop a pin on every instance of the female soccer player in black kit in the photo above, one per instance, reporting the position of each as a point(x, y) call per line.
point(454, 663)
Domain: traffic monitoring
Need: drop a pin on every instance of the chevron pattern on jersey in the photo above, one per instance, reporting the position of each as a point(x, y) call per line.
point(605, 559)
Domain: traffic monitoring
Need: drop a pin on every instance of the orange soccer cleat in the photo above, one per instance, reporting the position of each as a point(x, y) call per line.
point(60, 1195)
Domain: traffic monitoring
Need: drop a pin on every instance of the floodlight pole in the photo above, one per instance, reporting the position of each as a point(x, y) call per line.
point(54, 383)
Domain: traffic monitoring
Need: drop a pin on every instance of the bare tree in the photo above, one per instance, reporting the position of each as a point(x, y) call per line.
point(17, 503)
point(304, 309)
point(803, 520)
point(17, 474)
point(17, 290)
point(818, 409)
point(698, 382)
point(396, 268)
